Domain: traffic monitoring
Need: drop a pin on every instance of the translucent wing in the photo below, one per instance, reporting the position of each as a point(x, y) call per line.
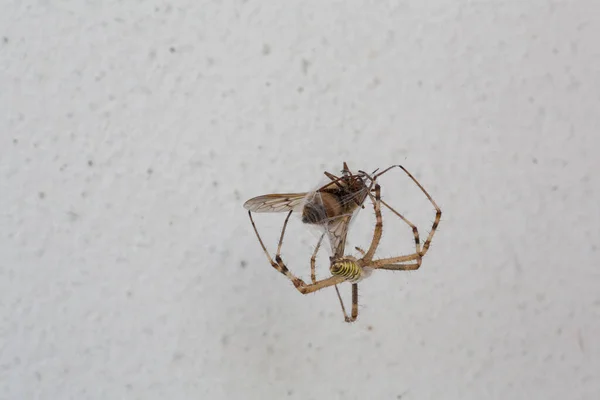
point(337, 230)
point(272, 203)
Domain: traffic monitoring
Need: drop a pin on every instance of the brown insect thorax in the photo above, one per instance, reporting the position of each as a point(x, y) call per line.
point(321, 208)
point(333, 201)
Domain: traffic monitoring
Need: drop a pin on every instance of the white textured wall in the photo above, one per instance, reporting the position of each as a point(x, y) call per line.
point(132, 132)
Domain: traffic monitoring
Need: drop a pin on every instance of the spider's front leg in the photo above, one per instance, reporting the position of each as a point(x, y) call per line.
point(438, 213)
point(280, 266)
point(392, 263)
point(378, 226)
point(278, 263)
point(313, 259)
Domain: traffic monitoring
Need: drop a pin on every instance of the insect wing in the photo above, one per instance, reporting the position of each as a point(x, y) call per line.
point(337, 230)
point(273, 203)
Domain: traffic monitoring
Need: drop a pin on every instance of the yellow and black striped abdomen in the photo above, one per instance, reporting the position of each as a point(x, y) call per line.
point(348, 269)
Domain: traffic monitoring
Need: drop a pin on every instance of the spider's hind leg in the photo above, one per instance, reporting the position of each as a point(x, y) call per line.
point(354, 312)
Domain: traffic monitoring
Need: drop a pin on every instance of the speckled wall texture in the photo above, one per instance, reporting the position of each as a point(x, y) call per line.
point(132, 132)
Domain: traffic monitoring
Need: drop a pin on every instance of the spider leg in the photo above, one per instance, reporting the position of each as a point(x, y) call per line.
point(278, 254)
point(399, 267)
point(438, 211)
point(278, 263)
point(280, 266)
point(394, 260)
point(318, 285)
point(378, 226)
point(354, 313)
point(415, 235)
point(354, 303)
point(313, 275)
point(337, 291)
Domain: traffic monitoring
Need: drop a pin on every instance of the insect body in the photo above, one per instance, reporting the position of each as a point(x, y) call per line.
point(331, 206)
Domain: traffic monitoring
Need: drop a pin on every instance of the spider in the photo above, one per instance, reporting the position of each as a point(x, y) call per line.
point(347, 268)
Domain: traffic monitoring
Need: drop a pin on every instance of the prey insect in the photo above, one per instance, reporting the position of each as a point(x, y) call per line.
point(343, 268)
point(332, 206)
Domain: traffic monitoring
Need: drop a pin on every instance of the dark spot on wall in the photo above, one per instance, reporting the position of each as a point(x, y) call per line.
point(172, 49)
point(5, 39)
point(534, 160)
point(42, 195)
point(243, 263)
point(15, 141)
point(266, 49)
point(224, 340)
point(215, 183)
point(149, 171)
point(90, 163)
point(300, 89)
point(305, 66)
point(73, 216)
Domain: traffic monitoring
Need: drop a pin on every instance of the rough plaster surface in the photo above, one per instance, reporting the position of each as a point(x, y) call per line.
point(132, 132)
